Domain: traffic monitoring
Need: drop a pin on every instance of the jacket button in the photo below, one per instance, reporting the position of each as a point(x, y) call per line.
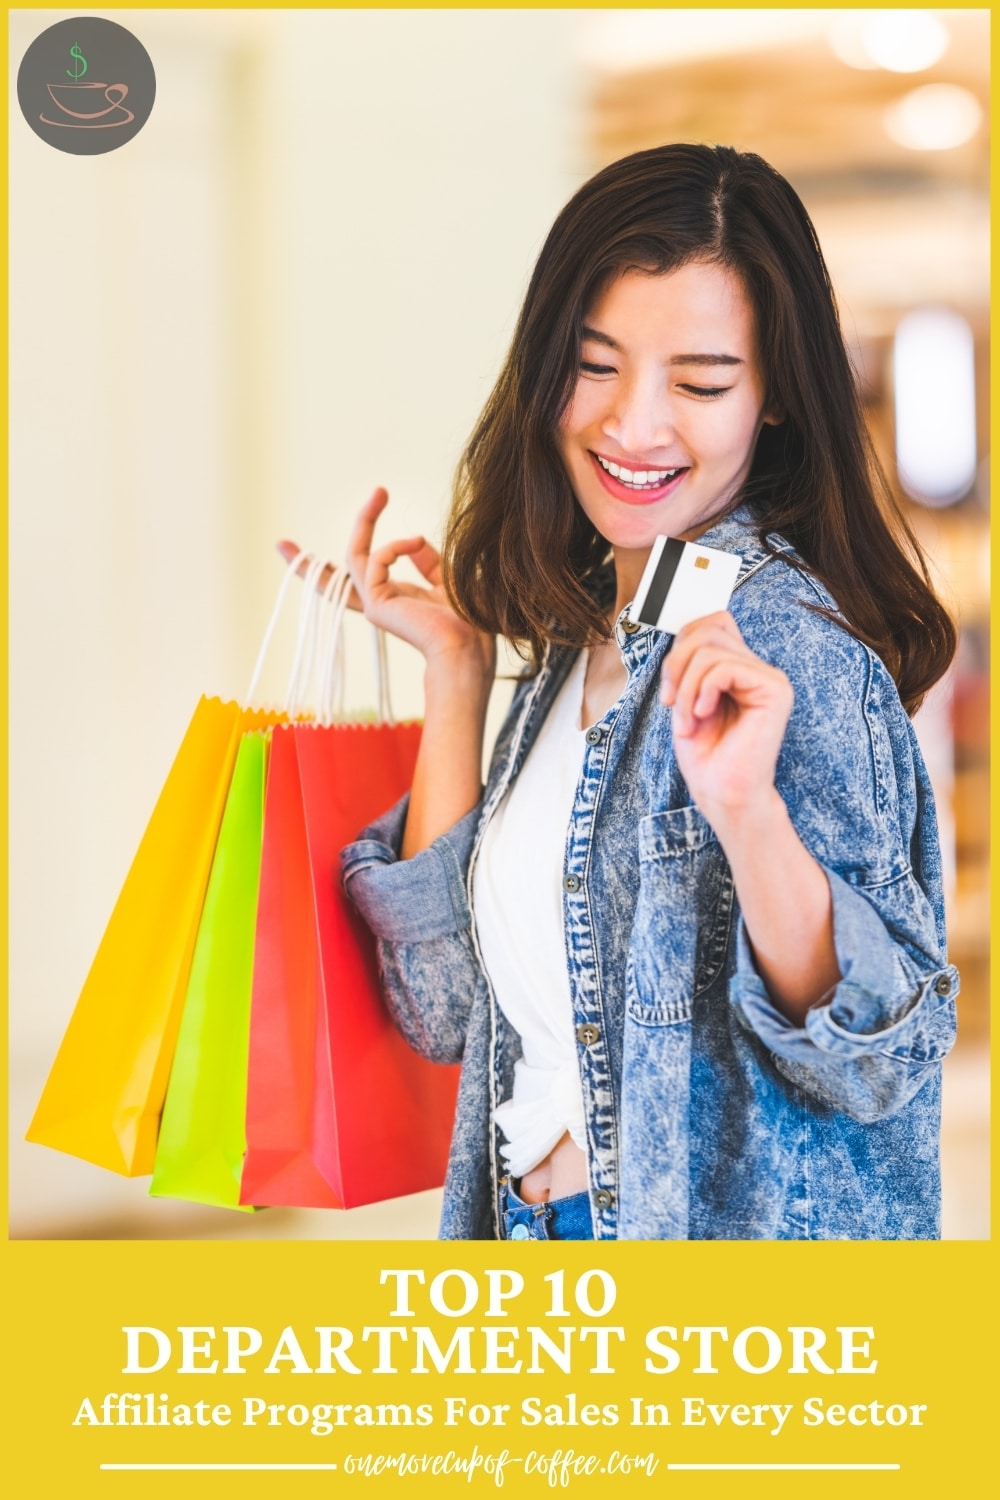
point(603, 1199)
point(594, 736)
point(943, 985)
point(571, 883)
point(630, 627)
point(520, 1232)
point(588, 1033)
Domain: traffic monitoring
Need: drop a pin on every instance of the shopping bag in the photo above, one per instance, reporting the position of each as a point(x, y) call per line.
point(104, 1094)
point(103, 1097)
point(340, 1111)
point(199, 1152)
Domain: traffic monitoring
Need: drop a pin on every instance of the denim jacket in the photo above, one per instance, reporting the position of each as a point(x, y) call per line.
point(709, 1114)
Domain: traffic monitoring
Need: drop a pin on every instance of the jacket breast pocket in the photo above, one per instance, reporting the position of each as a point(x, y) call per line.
point(683, 916)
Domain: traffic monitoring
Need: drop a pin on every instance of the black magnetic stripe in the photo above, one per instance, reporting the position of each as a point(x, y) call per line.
point(662, 579)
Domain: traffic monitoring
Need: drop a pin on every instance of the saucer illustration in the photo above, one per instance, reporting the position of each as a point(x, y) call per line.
point(89, 106)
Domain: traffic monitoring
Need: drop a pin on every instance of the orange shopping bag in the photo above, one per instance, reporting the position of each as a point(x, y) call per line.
point(105, 1093)
point(103, 1097)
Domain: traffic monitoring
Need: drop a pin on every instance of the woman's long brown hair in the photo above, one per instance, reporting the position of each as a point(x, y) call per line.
point(520, 555)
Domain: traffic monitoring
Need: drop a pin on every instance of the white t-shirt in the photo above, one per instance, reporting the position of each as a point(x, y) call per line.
point(517, 899)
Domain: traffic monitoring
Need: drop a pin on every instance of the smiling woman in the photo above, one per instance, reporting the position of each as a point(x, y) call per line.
point(688, 941)
point(644, 428)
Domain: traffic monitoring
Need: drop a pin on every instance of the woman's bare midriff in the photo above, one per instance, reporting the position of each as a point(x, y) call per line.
point(560, 1175)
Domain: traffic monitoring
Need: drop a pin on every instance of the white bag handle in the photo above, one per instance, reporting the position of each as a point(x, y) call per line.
point(307, 632)
point(290, 572)
point(330, 692)
point(305, 645)
point(331, 697)
point(381, 656)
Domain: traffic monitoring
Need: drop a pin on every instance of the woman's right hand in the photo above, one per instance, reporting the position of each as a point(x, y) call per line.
point(460, 665)
point(421, 615)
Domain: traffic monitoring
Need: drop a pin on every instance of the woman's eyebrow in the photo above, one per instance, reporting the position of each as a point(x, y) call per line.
point(595, 336)
point(706, 359)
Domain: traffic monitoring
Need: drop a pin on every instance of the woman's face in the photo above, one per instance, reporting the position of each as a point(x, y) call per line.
point(660, 431)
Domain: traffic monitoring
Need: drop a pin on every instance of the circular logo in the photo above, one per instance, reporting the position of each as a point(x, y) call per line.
point(86, 86)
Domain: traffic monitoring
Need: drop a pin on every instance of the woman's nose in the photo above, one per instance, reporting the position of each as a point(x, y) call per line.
point(640, 417)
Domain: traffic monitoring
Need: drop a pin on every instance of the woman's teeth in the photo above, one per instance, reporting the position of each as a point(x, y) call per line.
point(649, 479)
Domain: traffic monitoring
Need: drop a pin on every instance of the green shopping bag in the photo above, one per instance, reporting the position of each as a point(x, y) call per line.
point(202, 1140)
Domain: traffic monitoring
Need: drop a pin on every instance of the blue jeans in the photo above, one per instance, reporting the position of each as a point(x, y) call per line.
point(559, 1219)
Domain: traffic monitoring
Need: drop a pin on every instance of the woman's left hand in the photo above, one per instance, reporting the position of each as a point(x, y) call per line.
point(730, 710)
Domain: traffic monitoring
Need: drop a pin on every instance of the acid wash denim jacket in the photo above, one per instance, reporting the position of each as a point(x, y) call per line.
point(709, 1114)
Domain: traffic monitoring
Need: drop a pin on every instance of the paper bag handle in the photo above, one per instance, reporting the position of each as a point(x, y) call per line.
point(330, 698)
point(290, 573)
point(331, 694)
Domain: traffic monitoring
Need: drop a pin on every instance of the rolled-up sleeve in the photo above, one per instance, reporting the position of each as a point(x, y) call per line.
point(419, 913)
point(861, 801)
point(867, 1047)
point(415, 899)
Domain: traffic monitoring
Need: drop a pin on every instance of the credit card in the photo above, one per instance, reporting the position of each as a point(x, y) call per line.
point(683, 581)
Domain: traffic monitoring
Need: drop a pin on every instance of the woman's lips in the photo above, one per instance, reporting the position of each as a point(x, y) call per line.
point(632, 496)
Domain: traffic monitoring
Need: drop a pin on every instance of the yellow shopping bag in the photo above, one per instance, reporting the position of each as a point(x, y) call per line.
point(103, 1097)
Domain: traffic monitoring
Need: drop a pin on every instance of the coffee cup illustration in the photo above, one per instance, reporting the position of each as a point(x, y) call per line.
point(61, 97)
point(89, 104)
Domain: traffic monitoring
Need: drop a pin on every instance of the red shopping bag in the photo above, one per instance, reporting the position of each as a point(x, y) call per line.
point(340, 1110)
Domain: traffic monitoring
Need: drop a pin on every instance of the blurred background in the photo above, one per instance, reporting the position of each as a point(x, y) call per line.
point(299, 281)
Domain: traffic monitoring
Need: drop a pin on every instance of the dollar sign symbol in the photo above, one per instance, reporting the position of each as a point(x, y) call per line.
point(78, 58)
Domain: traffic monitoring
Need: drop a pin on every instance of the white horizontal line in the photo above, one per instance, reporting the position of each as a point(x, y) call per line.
point(782, 1466)
point(218, 1466)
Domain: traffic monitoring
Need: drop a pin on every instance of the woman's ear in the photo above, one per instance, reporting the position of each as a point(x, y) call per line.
point(774, 416)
